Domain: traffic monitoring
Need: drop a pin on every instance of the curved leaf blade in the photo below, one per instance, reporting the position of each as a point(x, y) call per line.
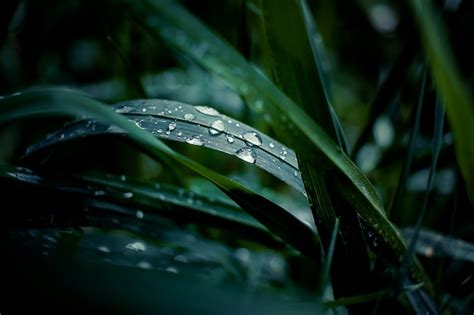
point(185, 123)
point(63, 102)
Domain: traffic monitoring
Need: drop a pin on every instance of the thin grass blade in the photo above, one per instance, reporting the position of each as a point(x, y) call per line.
point(454, 93)
point(433, 244)
point(195, 125)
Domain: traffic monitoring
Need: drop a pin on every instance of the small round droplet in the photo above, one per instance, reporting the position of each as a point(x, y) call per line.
point(217, 127)
point(244, 89)
point(207, 110)
point(136, 246)
point(103, 249)
point(144, 110)
point(172, 269)
point(272, 145)
point(230, 139)
point(128, 195)
point(181, 258)
point(144, 265)
point(295, 173)
point(172, 126)
point(195, 140)
point(247, 154)
point(139, 214)
point(252, 138)
point(189, 117)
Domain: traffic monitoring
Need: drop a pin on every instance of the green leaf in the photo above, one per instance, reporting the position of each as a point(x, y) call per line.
point(185, 33)
point(294, 49)
point(200, 126)
point(410, 150)
point(63, 102)
point(453, 91)
point(140, 200)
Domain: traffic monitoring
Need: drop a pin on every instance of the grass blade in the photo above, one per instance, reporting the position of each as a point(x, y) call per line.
point(112, 192)
point(433, 244)
point(410, 151)
point(63, 102)
point(436, 148)
point(329, 256)
point(185, 123)
point(454, 94)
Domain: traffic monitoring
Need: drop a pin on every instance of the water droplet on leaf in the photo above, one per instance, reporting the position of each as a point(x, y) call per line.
point(230, 139)
point(195, 140)
point(172, 126)
point(207, 110)
point(136, 246)
point(217, 127)
point(252, 138)
point(189, 117)
point(247, 154)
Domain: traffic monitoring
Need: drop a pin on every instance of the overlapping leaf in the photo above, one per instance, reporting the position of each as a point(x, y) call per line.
point(63, 102)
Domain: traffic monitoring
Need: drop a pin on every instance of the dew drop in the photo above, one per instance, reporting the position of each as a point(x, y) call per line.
point(207, 110)
point(139, 214)
point(259, 105)
point(99, 193)
point(189, 117)
point(172, 126)
point(128, 195)
point(172, 269)
point(195, 140)
point(144, 265)
point(272, 145)
point(295, 173)
point(123, 178)
point(230, 139)
point(136, 246)
point(103, 249)
point(144, 110)
point(252, 138)
point(181, 258)
point(247, 154)
point(180, 134)
point(244, 89)
point(217, 127)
